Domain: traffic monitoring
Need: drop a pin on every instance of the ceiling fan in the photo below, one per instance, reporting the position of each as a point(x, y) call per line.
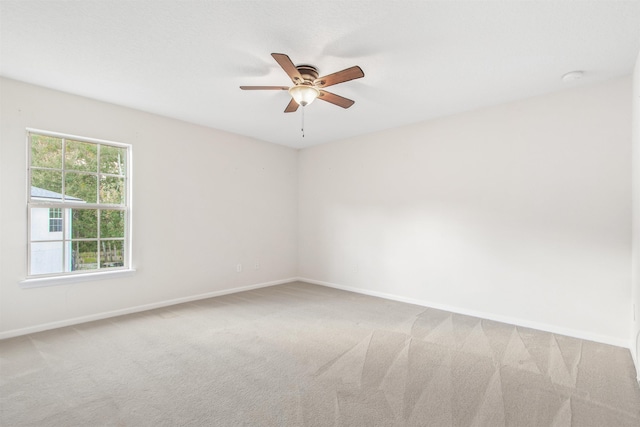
point(307, 86)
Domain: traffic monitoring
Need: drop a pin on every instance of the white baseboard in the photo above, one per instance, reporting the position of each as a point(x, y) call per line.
point(490, 316)
point(618, 342)
point(635, 355)
point(99, 316)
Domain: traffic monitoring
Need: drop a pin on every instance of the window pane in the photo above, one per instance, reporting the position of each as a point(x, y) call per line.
point(81, 156)
point(84, 255)
point(46, 257)
point(112, 190)
point(112, 254)
point(40, 226)
point(80, 186)
point(46, 151)
point(111, 223)
point(113, 160)
point(49, 181)
point(84, 223)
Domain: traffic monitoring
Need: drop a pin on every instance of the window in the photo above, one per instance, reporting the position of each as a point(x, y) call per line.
point(78, 205)
point(55, 220)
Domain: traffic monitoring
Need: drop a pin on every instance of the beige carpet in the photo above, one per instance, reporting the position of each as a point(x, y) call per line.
point(305, 355)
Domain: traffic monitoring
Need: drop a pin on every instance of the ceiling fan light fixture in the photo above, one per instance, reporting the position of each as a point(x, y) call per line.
point(308, 86)
point(304, 94)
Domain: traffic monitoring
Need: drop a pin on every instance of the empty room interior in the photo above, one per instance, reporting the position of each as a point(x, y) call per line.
point(286, 213)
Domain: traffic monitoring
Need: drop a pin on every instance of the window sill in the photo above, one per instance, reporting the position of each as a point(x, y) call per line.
point(39, 282)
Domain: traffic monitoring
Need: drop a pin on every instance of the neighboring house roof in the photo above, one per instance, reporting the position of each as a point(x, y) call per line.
point(41, 193)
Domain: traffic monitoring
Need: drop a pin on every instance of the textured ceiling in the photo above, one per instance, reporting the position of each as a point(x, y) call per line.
point(422, 59)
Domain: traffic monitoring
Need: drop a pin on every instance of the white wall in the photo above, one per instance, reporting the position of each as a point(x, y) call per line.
point(519, 212)
point(635, 333)
point(203, 201)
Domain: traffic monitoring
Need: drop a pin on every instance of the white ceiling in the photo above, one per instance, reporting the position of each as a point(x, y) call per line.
point(422, 59)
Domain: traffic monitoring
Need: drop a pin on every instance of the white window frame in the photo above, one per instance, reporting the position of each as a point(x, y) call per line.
point(38, 280)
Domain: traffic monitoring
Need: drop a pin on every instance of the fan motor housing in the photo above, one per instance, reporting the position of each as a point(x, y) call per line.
point(308, 72)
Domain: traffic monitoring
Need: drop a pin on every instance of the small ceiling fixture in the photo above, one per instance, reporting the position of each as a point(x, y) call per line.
point(572, 76)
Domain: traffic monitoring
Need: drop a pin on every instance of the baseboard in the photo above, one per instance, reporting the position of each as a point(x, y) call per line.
point(635, 355)
point(489, 316)
point(99, 316)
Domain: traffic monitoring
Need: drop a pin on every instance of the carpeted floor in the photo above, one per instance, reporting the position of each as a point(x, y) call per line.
point(305, 355)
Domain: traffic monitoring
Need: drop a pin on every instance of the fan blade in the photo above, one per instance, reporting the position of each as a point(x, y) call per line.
point(338, 100)
point(264, 88)
point(293, 106)
point(285, 62)
point(340, 77)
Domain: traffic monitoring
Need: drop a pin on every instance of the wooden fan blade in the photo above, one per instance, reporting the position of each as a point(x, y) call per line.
point(340, 77)
point(338, 100)
point(293, 106)
point(285, 62)
point(264, 88)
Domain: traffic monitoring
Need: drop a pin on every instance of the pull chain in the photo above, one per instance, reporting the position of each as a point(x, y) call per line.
point(302, 126)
